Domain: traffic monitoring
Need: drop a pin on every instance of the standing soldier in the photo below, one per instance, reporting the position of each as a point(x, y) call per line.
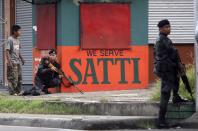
point(14, 60)
point(167, 67)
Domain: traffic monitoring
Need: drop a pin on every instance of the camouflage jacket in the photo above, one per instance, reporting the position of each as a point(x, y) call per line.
point(44, 73)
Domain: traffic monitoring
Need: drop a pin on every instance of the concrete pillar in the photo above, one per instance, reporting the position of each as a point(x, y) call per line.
point(6, 33)
point(196, 58)
point(9, 13)
point(196, 49)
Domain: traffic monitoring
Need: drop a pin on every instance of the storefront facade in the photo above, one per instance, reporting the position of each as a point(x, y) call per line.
point(101, 44)
point(90, 63)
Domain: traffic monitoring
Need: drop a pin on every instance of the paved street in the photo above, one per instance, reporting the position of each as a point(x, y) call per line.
point(18, 128)
point(164, 130)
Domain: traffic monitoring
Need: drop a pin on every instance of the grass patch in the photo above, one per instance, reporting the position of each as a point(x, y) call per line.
point(8, 105)
point(146, 125)
point(104, 99)
point(190, 72)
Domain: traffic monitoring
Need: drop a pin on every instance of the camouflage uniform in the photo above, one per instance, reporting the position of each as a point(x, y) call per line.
point(46, 78)
point(14, 75)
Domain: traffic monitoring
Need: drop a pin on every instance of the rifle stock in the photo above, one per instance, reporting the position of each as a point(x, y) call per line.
point(60, 72)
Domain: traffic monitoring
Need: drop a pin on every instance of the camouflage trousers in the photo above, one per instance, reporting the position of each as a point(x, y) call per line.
point(14, 77)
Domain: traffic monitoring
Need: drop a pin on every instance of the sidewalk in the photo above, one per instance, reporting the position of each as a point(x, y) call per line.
point(110, 96)
point(191, 122)
point(83, 122)
point(128, 109)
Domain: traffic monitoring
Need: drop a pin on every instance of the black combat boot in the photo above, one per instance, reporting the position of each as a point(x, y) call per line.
point(162, 124)
point(46, 91)
point(177, 99)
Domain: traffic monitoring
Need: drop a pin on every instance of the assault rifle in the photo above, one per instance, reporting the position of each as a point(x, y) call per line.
point(182, 72)
point(60, 72)
point(185, 80)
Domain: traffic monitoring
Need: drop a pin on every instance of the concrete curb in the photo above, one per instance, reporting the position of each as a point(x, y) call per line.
point(78, 121)
point(191, 122)
point(114, 108)
point(180, 111)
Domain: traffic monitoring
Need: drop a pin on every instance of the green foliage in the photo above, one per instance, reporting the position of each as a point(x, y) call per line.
point(190, 72)
point(8, 105)
point(156, 93)
point(104, 99)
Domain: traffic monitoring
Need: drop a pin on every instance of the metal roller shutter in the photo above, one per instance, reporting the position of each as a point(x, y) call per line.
point(181, 15)
point(196, 6)
point(24, 19)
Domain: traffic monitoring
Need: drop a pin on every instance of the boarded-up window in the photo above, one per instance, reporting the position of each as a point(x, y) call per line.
point(105, 25)
point(46, 26)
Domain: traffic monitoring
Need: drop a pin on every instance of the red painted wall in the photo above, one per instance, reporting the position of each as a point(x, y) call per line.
point(186, 52)
point(105, 26)
point(46, 26)
point(89, 65)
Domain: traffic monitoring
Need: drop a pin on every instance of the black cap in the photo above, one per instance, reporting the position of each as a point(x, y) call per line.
point(52, 51)
point(163, 23)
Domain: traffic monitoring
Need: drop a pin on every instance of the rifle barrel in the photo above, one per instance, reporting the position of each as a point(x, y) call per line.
point(71, 82)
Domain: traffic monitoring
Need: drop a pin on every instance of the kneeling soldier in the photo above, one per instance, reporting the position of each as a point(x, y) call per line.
point(47, 76)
